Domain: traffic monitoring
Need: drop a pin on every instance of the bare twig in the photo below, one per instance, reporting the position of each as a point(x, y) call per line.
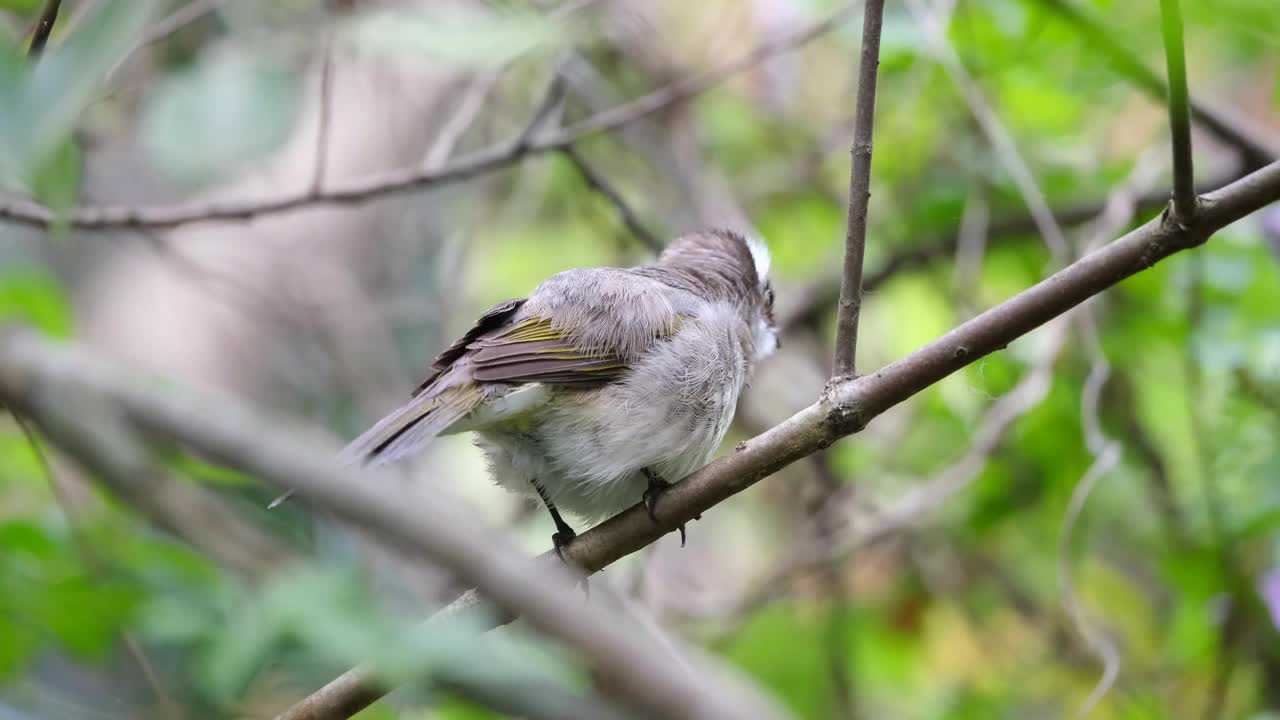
point(605, 189)
point(323, 111)
point(1184, 193)
point(855, 241)
point(846, 406)
point(1233, 130)
point(44, 28)
point(412, 178)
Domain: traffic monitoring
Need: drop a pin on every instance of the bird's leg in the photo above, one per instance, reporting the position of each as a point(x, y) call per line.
point(657, 486)
point(564, 534)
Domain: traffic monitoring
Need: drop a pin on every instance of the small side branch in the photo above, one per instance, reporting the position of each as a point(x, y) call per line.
point(1184, 192)
point(598, 182)
point(44, 28)
point(855, 242)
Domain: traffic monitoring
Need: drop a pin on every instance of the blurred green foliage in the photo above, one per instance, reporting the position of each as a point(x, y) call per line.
point(962, 618)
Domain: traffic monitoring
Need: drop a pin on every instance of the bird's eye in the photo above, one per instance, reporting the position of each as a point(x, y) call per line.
point(768, 293)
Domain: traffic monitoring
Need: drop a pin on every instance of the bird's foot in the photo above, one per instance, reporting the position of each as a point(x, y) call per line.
point(657, 487)
point(561, 539)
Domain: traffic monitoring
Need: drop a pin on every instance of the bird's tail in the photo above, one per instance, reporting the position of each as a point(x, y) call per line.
point(408, 428)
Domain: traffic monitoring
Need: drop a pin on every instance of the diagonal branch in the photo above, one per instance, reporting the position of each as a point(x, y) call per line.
point(496, 157)
point(855, 240)
point(845, 408)
point(1184, 192)
point(598, 182)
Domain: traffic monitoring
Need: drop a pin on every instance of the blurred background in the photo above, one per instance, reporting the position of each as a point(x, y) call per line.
point(1102, 496)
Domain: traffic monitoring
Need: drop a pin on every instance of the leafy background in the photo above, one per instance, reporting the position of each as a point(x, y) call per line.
point(328, 314)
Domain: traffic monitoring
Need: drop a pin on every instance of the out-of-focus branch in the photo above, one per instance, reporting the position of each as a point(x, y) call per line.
point(855, 239)
point(1184, 193)
point(188, 512)
point(1256, 147)
point(463, 168)
point(322, 124)
point(847, 406)
point(39, 378)
point(598, 182)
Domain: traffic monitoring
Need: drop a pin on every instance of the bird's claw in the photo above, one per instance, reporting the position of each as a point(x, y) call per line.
point(657, 486)
point(561, 539)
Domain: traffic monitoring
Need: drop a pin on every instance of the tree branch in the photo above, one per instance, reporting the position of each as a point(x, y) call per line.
point(187, 511)
point(1184, 193)
point(605, 189)
point(855, 240)
point(115, 217)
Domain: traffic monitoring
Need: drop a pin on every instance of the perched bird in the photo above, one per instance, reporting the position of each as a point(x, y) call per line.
point(604, 383)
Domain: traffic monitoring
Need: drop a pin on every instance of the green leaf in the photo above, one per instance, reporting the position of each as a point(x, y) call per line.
point(226, 112)
point(21, 7)
point(35, 299)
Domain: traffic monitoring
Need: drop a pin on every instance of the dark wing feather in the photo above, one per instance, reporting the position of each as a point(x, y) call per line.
point(533, 351)
point(494, 318)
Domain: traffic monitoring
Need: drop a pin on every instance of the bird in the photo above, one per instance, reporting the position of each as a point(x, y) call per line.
point(604, 384)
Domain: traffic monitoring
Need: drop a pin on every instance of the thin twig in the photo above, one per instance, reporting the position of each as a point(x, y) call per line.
point(855, 240)
point(324, 109)
point(1184, 193)
point(412, 178)
point(44, 28)
point(605, 189)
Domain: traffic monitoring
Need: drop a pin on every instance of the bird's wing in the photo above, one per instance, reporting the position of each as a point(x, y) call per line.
point(581, 329)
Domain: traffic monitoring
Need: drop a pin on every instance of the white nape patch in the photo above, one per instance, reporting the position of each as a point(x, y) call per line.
point(760, 257)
